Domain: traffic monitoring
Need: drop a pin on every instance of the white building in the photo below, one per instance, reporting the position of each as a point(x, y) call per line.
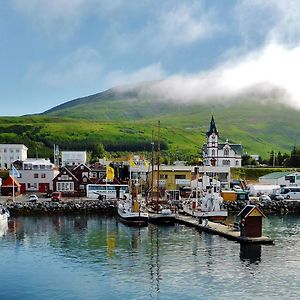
point(220, 154)
point(10, 153)
point(281, 178)
point(72, 158)
point(37, 175)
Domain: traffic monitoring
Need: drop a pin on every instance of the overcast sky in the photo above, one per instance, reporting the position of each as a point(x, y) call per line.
point(58, 50)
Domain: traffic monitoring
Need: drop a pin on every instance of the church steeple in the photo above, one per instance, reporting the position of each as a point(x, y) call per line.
point(212, 128)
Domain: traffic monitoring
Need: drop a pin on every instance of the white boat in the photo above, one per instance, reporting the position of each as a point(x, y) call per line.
point(4, 216)
point(164, 216)
point(129, 213)
point(209, 207)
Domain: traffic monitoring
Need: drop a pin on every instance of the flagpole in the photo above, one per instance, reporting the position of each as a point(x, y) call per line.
point(13, 178)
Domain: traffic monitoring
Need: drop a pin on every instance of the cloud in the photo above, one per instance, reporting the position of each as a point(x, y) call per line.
point(269, 73)
point(81, 66)
point(183, 24)
point(148, 73)
point(274, 20)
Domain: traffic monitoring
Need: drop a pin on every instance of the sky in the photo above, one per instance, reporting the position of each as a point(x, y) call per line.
point(203, 50)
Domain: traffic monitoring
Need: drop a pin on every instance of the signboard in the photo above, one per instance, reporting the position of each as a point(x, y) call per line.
point(183, 181)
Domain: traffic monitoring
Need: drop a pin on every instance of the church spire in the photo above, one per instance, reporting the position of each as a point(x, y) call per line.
point(212, 128)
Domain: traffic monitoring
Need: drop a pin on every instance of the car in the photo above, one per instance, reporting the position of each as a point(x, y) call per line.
point(277, 197)
point(56, 196)
point(33, 198)
point(265, 198)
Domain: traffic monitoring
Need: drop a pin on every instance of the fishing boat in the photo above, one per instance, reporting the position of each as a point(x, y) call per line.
point(160, 211)
point(130, 212)
point(208, 207)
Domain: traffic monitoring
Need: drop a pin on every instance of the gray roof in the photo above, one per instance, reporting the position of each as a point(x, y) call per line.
point(275, 175)
point(237, 148)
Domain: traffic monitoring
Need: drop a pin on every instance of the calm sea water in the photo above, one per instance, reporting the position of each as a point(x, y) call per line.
point(79, 257)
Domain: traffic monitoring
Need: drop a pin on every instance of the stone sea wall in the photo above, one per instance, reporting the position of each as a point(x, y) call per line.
point(70, 207)
point(273, 207)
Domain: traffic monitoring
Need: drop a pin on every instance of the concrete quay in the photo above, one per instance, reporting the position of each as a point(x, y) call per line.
point(226, 231)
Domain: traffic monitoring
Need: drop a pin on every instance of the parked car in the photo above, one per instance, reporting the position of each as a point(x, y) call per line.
point(33, 198)
point(276, 196)
point(56, 196)
point(265, 198)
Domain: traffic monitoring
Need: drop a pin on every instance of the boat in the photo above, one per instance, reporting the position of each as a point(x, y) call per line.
point(130, 212)
point(160, 210)
point(208, 207)
point(4, 216)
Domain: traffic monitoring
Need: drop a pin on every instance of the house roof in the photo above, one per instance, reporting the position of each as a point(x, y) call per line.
point(10, 181)
point(275, 175)
point(237, 148)
point(250, 209)
point(212, 127)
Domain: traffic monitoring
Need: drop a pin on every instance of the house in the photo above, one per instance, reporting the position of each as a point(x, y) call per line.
point(66, 182)
point(10, 153)
point(36, 175)
point(220, 154)
point(9, 185)
point(281, 178)
point(73, 180)
point(72, 158)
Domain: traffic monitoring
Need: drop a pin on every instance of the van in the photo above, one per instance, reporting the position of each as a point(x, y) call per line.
point(56, 196)
point(291, 192)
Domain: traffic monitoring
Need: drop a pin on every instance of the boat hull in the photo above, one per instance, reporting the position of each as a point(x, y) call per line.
point(133, 219)
point(162, 219)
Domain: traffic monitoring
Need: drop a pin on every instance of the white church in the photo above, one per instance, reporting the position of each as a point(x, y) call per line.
point(220, 154)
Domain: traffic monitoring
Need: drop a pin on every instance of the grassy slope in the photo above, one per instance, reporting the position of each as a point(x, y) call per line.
point(109, 117)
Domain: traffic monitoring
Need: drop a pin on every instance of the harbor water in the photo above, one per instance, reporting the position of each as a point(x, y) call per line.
point(96, 257)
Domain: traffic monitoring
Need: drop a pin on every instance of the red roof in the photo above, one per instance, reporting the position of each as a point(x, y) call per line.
point(10, 181)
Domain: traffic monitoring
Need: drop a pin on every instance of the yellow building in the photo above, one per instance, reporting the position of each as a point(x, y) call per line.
point(171, 177)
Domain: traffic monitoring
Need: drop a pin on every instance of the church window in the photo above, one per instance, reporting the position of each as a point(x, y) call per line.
point(213, 152)
point(226, 152)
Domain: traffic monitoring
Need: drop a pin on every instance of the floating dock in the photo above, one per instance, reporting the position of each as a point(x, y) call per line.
point(226, 231)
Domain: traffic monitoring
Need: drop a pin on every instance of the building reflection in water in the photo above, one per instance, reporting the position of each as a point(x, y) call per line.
point(250, 253)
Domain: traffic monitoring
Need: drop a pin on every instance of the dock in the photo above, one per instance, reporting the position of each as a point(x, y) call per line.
point(226, 231)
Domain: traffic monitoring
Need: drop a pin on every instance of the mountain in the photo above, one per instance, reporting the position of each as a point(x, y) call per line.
point(261, 126)
point(122, 119)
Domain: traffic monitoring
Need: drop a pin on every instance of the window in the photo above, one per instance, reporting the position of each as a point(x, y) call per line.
point(35, 175)
point(43, 175)
point(237, 163)
point(4, 150)
point(226, 152)
point(17, 150)
point(11, 151)
point(65, 186)
point(163, 176)
point(179, 176)
point(213, 152)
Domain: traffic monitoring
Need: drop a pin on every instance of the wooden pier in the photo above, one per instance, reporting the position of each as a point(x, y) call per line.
point(226, 231)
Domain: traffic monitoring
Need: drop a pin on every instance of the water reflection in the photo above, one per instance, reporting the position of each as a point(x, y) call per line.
point(250, 253)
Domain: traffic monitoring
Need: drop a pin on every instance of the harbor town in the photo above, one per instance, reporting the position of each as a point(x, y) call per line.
point(149, 150)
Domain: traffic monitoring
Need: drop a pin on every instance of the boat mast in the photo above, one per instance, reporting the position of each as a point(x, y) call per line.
point(158, 162)
point(152, 166)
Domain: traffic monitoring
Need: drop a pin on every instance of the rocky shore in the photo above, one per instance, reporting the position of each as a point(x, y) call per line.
point(110, 207)
point(274, 207)
point(70, 207)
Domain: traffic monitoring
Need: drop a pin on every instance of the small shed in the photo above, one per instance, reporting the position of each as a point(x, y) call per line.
point(8, 185)
point(251, 221)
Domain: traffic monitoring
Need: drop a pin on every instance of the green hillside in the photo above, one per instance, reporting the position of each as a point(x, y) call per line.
point(123, 121)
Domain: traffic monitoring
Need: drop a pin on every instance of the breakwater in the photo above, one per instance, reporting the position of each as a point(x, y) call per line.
point(274, 207)
point(70, 207)
point(110, 207)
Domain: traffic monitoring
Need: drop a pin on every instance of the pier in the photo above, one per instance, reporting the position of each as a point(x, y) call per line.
point(229, 232)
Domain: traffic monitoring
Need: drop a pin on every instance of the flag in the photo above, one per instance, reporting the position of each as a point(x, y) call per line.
point(132, 163)
point(110, 173)
point(14, 172)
